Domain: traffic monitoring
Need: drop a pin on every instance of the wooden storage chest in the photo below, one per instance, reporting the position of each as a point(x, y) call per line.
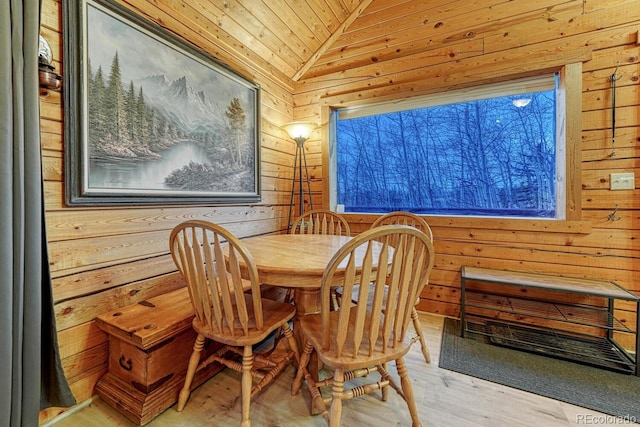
point(149, 348)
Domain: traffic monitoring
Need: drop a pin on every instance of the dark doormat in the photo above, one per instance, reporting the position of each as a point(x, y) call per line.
point(598, 389)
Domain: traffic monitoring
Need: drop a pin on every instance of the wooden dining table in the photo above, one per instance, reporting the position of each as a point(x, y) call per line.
point(295, 261)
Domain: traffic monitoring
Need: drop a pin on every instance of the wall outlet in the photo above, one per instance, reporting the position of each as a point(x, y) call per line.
point(623, 181)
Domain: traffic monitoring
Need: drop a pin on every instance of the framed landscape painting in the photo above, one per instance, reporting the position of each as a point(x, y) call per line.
point(150, 119)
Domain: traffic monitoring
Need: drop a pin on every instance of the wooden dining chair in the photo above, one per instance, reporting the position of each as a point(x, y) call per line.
point(226, 311)
point(360, 339)
point(413, 220)
point(319, 221)
point(405, 218)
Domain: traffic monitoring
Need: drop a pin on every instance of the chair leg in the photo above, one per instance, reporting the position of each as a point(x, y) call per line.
point(407, 391)
point(317, 403)
point(337, 293)
point(418, 327)
point(293, 344)
point(336, 400)
point(191, 371)
point(385, 389)
point(335, 300)
point(302, 366)
point(288, 297)
point(389, 380)
point(247, 384)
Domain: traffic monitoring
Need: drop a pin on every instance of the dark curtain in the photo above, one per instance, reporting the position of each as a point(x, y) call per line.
point(30, 368)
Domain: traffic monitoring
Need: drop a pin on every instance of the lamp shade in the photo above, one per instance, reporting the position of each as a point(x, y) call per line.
point(299, 130)
point(521, 102)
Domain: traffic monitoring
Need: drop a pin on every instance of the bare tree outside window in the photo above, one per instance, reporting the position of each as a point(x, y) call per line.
point(490, 157)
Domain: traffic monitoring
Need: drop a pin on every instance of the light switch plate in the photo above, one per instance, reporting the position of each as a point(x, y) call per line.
point(623, 181)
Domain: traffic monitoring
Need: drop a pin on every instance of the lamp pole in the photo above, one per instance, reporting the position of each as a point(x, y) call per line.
point(299, 132)
point(300, 158)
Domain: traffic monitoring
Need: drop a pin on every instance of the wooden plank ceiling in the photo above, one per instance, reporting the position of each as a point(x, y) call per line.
point(283, 35)
point(309, 38)
point(302, 39)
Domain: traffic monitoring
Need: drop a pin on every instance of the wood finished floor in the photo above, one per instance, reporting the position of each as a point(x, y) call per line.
point(444, 399)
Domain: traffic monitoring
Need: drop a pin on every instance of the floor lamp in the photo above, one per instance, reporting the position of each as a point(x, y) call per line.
point(299, 132)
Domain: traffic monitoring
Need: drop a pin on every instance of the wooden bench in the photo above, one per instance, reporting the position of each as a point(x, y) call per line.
point(564, 317)
point(149, 348)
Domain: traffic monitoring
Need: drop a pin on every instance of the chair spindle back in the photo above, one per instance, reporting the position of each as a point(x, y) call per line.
point(213, 280)
point(397, 262)
point(321, 221)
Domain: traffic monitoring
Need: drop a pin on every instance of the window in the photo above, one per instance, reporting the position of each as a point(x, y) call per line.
point(486, 151)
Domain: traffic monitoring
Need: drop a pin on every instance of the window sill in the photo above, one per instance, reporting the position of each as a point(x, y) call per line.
point(514, 224)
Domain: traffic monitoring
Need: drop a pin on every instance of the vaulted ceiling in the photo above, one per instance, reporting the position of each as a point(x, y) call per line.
point(307, 40)
point(289, 36)
point(299, 39)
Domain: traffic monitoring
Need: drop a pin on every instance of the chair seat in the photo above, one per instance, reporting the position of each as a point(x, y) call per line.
point(274, 312)
point(311, 326)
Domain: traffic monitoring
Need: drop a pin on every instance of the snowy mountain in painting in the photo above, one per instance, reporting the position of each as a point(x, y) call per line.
point(190, 110)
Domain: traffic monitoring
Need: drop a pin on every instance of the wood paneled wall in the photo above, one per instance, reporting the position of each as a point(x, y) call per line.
point(491, 44)
point(106, 258)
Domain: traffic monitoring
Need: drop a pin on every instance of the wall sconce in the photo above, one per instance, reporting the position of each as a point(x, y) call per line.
point(48, 78)
point(299, 132)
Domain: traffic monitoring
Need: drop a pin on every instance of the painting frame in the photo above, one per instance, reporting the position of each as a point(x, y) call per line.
point(210, 111)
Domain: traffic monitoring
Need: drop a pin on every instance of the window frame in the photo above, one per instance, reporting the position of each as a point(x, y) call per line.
point(568, 154)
